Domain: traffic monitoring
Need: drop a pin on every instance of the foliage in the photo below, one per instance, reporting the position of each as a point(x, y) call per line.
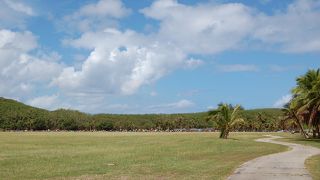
point(226, 118)
point(17, 116)
point(291, 115)
point(306, 100)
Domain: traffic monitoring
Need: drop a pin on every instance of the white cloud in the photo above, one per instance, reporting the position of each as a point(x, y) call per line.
point(21, 41)
point(13, 14)
point(20, 7)
point(104, 8)
point(121, 66)
point(211, 28)
point(296, 30)
point(176, 105)
point(45, 102)
point(122, 61)
point(238, 68)
point(204, 28)
point(180, 106)
point(282, 101)
point(193, 63)
point(20, 71)
point(95, 16)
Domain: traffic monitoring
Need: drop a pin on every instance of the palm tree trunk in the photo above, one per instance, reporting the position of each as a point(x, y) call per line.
point(222, 133)
point(317, 131)
point(314, 133)
point(300, 127)
point(226, 134)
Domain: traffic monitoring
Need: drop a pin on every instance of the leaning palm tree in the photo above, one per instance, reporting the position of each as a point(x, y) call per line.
point(307, 99)
point(290, 114)
point(226, 117)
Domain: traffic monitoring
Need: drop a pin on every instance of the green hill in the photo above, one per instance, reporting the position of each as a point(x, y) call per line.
point(12, 105)
point(15, 115)
point(18, 116)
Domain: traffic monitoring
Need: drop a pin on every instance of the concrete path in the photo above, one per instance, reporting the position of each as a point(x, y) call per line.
point(281, 166)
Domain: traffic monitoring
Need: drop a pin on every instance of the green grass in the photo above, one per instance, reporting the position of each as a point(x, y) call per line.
point(91, 155)
point(312, 163)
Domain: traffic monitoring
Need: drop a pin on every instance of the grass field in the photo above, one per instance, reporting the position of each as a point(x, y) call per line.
point(101, 155)
point(313, 163)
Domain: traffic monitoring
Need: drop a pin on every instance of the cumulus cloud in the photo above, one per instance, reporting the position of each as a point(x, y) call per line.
point(22, 41)
point(282, 101)
point(203, 28)
point(121, 66)
point(20, 71)
point(238, 68)
point(122, 61)
point(211, 28)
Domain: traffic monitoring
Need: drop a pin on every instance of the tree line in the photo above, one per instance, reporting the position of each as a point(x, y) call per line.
point(302, 113)
point(17, 116)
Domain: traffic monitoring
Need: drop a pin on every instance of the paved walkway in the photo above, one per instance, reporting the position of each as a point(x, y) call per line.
point(281, 166)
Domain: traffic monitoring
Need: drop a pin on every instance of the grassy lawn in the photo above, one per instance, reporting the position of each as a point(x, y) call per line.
point(101, 155)
point(313, 163)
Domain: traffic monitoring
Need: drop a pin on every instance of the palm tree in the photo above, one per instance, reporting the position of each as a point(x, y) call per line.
point(226, 117)
point(290, 114)
point(307, 99)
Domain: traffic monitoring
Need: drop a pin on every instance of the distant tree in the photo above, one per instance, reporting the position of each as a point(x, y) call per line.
point(226, 117)
point(105, 125)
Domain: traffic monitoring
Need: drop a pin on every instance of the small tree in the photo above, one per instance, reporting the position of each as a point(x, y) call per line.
point(226, 117)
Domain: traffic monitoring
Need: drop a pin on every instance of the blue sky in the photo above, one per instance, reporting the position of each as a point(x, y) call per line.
point(164, 56)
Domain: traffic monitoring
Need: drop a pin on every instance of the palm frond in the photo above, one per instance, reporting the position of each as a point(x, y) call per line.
point(237, 122)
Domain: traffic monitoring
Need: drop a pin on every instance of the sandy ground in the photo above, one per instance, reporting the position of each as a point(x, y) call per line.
point(286, 165)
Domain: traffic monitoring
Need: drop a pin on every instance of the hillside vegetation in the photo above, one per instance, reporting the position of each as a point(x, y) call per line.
point(18, 116)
